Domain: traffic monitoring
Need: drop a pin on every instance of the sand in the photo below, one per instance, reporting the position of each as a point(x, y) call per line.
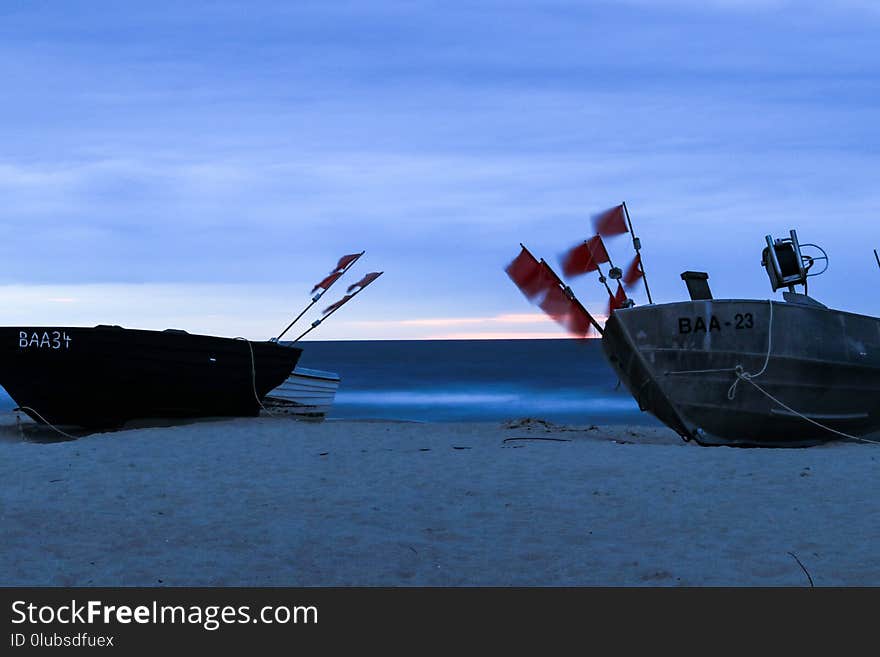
point(276, 502)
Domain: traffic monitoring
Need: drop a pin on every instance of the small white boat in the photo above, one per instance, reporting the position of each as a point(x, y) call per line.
point(306, 394)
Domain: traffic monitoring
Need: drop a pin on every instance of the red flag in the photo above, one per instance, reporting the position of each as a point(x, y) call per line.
point(366, 280)
point(556, 304)
point(585, 257)
point(579, 323)
point(633, 273)
point(563, 309)
point(611, 222)
point(346, 260)
point(337, 305)
point(598, 250)
point(578, 261)
point(537, 280)
point(528, 274)
point(327, 282)
point(617, 300)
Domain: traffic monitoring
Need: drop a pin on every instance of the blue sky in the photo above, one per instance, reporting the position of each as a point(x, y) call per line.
point(202, 165)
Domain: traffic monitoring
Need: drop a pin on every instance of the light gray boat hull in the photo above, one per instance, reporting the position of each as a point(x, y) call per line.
point(678, 361)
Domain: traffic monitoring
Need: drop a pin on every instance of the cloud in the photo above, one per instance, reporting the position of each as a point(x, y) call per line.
point(498, 335)
point(510, 318)
point(741, 6)
point(248, 154)
point(501, 326)
point(238, 310)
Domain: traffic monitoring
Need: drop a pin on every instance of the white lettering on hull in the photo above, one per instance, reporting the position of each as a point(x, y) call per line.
point(44, 340)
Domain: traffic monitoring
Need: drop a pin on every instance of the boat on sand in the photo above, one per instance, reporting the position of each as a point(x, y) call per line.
point(306, 394)
point(772, 372)
point(752, 372)
point(104, 376)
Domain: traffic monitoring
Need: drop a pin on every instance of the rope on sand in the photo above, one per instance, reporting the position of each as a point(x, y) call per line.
point(253, 384)
point(47, 423)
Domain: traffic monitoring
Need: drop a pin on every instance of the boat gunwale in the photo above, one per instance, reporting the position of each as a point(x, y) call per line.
point(778, 302)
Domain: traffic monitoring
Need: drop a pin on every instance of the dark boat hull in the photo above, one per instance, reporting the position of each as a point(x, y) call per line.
point(105, 376)
point(678, 361)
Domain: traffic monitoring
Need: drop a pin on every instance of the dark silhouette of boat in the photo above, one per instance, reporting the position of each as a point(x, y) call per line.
point(104, 376)
point(750, 372)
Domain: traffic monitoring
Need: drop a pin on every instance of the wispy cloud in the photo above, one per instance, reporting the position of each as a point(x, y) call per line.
point(509, 318)
point(829, 6)
point(498, 327)
point(499, 335)
point(247, 146)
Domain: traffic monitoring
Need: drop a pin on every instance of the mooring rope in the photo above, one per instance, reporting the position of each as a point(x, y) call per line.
point(741, 375)
point(804, 417)
point(47, 423)
point(254, 375)
point(731, 393)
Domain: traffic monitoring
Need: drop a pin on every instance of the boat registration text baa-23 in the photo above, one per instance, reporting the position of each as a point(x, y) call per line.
point(44, 340)
point(699, 325)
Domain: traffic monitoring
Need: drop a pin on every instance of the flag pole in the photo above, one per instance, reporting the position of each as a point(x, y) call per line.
point(570, 294)
point(318, 296)
point(637, 245)
point(318, 321)
point(602, 278)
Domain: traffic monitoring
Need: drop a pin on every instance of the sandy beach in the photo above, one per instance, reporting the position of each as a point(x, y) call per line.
point(275, 502)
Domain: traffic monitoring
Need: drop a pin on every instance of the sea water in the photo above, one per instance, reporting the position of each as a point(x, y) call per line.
point(475, 380)
point(470, 380)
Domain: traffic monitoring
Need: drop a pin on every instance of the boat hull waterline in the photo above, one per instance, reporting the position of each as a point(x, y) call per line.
point(104, 376)
point(678, 361)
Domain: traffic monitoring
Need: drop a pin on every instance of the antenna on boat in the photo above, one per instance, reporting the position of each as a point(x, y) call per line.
point(637, 245)
point(330, 280)
point(362, 285)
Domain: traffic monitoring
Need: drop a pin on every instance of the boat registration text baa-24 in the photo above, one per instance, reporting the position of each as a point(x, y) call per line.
point(44, 340)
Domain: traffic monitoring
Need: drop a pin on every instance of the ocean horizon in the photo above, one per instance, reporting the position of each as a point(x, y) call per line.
point(558, 380)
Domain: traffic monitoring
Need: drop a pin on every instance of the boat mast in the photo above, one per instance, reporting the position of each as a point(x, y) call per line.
point(318, 321)
point(602, 279)
point(637, 245)
point(570, 294)
point(318, 296)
